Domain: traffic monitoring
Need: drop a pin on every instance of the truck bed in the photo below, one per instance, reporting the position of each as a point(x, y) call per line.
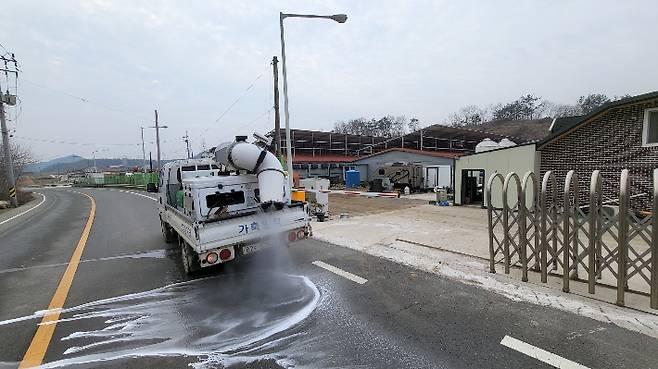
point(239, 230)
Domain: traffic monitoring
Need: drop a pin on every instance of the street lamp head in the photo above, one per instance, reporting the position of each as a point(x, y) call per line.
point(340, 18)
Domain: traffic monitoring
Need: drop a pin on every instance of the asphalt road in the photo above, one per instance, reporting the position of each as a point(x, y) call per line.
point(131, 306)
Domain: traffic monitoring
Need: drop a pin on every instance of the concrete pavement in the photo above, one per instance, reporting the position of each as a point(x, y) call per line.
point(131, 306)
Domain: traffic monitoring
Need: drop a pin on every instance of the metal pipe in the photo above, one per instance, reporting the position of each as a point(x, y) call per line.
point(594, 209)
point(622, 248)
point(506, 209)
point(571, 181)
point(523, 233)
point(548, 176)
point(492, 248)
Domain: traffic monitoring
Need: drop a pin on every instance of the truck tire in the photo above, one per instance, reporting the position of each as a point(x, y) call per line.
point(167, 232)
point(189, 258)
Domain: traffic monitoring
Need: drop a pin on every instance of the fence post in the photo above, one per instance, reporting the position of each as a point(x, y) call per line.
point(523, 228)
point(654, 243)
point(492, 247)
point(594, 196)
point(570, 181)
point(506, 209)
point(544, 218)
point(622, 248)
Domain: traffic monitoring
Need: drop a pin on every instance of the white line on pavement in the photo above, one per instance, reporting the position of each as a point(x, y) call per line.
point(142, 195)
point(539, 354)
point(26, 211)
point(340, 272)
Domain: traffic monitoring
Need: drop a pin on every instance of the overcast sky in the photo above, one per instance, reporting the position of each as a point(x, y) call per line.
point(192, 59)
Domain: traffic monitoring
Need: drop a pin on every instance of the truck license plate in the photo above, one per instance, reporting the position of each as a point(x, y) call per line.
point(250, 249)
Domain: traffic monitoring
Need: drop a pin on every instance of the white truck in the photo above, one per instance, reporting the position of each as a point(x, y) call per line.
point(235, 204)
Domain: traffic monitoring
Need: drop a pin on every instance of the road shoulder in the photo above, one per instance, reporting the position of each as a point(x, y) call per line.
point(474, 271)
point(9, 214)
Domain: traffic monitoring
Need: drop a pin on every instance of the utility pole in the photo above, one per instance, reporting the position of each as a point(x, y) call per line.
point(186, 139)
point(143, 152)
point(9, 163)
point(157, 138)
point(151, 161)
point(277, 117)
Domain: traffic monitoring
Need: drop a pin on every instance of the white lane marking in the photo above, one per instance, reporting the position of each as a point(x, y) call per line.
point(134, 193)
point(340, 272)
point(26, 211)
point(539, 354)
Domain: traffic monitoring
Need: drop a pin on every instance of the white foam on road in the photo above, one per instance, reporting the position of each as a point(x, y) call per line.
point(203, 318)
point(153, 254)
point(26, 211)
point(539, 354)
point(340, 272)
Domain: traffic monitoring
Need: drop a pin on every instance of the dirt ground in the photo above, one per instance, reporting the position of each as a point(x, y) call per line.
point(360, 205)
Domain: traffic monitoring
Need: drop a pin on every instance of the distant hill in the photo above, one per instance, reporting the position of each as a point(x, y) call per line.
point(41, 166)
point(73, 163)
point(525, 129)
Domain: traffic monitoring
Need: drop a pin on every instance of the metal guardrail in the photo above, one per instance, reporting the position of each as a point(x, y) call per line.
point(554, 234)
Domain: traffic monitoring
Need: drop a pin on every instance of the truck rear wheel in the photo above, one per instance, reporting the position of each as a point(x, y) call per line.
point(189, 258)
point(167, 232)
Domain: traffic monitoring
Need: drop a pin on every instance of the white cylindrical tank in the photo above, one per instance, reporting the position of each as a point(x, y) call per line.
point(267, 168)
point(505, 142)
point(486, 145)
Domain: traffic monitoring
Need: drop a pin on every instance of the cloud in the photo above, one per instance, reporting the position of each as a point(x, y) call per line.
point(191, 60)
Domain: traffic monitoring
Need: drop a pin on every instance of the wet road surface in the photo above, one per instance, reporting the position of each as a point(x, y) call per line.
point(131, 306)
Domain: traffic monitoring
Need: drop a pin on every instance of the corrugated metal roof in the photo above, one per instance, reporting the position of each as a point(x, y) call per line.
point(438, 154)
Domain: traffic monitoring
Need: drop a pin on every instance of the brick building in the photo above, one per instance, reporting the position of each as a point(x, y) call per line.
point(620, 135)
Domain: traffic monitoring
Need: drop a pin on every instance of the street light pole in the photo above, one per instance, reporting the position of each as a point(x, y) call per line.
point(143, 151)
point(94, 155)
point(157, 139)
point(340, 18)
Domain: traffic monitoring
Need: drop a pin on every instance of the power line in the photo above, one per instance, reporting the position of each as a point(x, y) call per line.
point(236, 101)
point(45, 140)
point(86, 100)
point(5, 49)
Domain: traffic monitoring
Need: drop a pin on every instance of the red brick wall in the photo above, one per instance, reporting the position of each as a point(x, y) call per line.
point(610, 142)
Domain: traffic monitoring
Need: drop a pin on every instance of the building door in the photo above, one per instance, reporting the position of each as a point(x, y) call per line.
point(472, 186)
point(431, 177)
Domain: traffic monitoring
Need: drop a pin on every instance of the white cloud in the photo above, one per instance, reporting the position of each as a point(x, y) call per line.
point(418, 58)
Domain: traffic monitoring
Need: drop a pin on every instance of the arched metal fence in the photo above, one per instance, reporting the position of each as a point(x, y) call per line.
point(544, 228)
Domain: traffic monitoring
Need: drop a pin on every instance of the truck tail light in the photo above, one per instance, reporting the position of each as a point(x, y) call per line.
point(225, 254)
point(301, 234)
point(292, 236)
point(211, 258)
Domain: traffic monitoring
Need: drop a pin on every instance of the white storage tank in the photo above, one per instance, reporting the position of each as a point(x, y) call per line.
point(486, 145)
point(505, 142)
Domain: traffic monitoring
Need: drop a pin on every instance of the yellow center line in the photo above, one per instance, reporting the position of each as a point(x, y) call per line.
point(37, 350)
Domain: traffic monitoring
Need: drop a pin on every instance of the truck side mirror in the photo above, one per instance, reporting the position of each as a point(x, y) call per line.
point(151, 187)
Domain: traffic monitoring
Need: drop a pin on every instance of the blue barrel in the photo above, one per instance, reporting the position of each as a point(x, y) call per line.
point(352, 178)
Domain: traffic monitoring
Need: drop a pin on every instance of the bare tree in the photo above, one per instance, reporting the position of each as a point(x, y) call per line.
point(591, 102)
point(386, 126)
point(21, 157)
point(470, 115)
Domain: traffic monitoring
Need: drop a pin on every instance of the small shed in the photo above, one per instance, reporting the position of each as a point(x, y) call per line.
point(473, 171)
point(369, 165)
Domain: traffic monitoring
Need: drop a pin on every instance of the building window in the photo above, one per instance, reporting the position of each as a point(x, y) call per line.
point(650, 129)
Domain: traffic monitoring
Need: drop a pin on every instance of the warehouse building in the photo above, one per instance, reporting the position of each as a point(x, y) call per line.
point(330, 154)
